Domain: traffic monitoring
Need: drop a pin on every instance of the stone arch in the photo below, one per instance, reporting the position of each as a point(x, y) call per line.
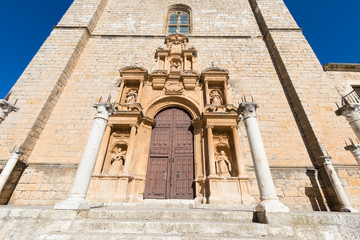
point(173, 101)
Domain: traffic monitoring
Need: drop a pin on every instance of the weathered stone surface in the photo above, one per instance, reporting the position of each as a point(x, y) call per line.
point(142, 222)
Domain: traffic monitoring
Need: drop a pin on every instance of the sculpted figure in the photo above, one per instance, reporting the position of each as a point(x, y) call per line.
point(131, 96)
point(117, 161)
point(215, 97)
point(223, 165)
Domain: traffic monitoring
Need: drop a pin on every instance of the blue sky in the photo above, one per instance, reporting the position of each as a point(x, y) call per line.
point(331, 27)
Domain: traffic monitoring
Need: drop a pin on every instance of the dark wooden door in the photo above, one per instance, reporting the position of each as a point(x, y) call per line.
point(170, 171)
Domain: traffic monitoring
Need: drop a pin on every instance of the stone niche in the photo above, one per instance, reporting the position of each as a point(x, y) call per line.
point(121, 168)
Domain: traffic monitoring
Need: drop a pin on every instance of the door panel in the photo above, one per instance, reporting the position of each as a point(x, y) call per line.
point(171, 141)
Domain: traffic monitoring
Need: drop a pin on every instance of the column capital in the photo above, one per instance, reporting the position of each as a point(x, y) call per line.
point(104, 110)
point(350, 111)
point(353, 148)
point(16, 153)
point(326, 160)
point(209, 126)
point(6, 108)
point(248, 109)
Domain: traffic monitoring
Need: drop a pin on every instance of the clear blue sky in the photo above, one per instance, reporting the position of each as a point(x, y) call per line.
point(331, 27)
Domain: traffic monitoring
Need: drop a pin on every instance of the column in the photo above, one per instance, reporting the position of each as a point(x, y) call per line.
point(207, 100)
point(226, 94)
point(6, 108)
point(121, 89)
point(351, 111)
point(130, 150)
point(240, 166)
point(9, 167)
point(211, 151)
point(269, 200)
point(355, 150)
point(141, 85)
point(338, 188)
point(77, 194)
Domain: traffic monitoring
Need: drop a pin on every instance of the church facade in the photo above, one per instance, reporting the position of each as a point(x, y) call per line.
point(176, 80)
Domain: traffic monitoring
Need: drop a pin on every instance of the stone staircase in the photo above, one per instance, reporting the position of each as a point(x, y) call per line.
point(177, 221)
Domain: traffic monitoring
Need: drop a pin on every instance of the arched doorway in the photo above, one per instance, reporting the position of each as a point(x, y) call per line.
point(170, 171)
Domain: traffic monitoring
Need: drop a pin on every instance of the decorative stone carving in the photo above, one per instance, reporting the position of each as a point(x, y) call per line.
point(248, 110)
point(134, 107)
point(351, 111)
point(175, 65)
point(223, 165)
point(117, 161)
point(216, 98)
point(131, 96)
point(229, 108)
point(174, 88)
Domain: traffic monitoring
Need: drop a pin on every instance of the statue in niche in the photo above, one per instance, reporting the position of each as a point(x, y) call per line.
point(215, 97)
point(117, 161)
point(223, 165)
point(131, 96)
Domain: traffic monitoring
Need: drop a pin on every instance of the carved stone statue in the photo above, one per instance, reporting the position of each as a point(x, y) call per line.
point(131, 96)
point(215, 97)
point(117, 161)
point(223, 165)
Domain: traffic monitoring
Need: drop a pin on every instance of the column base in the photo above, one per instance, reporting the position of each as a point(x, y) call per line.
point(72, 204)
point(272, 205)
point(348, 209)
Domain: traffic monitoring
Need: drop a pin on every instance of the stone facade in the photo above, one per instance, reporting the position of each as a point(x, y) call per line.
point(240, 48)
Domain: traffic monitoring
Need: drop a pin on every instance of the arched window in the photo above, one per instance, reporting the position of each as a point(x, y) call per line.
point(179, 19)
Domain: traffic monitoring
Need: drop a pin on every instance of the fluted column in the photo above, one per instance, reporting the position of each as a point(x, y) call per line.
point(9, 167)
point(211, 151)
point(269, 200)
point(77, 194)
point(6, 108)
point(338, 188)
point(351, 111)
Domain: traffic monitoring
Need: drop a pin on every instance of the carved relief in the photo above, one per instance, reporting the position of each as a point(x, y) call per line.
point(175, 65)
point(223, 165)
point(174, 88)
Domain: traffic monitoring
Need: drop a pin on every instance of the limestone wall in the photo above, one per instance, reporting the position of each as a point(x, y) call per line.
point(80, 61)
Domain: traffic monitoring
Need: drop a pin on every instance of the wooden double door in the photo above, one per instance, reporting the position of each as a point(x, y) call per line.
point(170, 171)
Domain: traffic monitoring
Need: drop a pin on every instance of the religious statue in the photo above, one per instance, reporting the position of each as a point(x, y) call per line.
point(215, 97)
point(223, 165)
point(131, 96)
point(117, 161)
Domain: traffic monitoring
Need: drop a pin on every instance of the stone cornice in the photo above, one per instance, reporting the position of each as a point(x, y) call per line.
point(345, 67)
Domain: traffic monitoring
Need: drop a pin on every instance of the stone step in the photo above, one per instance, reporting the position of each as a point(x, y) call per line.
point(111, 236)
point(211, 228)
point(171, 214)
